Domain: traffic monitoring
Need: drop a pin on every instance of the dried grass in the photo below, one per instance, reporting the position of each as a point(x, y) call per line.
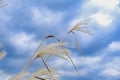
point(36, 52)
point(19, 76)
point(57, 49)
point(79, 27)
point(2, 53)
point(45, 74)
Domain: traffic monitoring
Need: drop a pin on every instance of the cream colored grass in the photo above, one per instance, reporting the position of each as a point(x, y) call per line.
point(79, 27)
point(2, 54)
point(20, 76)
point(45, 74)
point(36, 52)
point(55, 50)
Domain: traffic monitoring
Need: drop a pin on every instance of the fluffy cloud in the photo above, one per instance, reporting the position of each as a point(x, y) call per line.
point(103, 19)
point(4, 76)
point(84, 64)
point(112, 68)
point(104, 65)
point(104, 4)
point(103, 12)
point(114, 46)
point(23, 41)
point(100, 64)
point(44, 16)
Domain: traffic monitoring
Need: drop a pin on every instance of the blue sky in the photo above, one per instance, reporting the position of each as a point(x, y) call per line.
point(24, 23)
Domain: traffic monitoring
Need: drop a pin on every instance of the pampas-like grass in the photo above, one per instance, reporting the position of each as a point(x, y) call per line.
point(20, 76)
point(36, 52)
point(45, 74)
point(79, 27)
point(2, 54)
point(55, 50)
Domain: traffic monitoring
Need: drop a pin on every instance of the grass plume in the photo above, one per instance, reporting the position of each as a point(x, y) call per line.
point(54, 49)
point(2, 53)
point(57, 49)
point(45, 74)
point(32, 58)
point(19, 76)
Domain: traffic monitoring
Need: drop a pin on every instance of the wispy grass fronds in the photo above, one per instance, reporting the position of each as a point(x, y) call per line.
point(20, 76)
point(2, 54)
point(70, 58)
point(55, 50)
point(36, 52)
point(81, 27)
point(44, 74)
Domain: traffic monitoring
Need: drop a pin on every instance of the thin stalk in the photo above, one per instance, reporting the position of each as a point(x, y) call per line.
point(68, 55)
point(65, 36)
point(45, 64)
point(31, 58)
point(71, 61)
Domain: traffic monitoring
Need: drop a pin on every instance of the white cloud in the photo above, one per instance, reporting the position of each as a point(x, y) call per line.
point(23, 41)
point(104, 11)
point(114, 46)
point(86, 65)
point(103, 64)
point(103, 19)
point(88, 60)
point(105, 4)
point(104, 16)
point(85, 62)
point(4, 76)
point(112, 69)
point(45, 16)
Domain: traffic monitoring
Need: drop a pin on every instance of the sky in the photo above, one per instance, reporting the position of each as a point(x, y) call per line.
point(23, 23)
